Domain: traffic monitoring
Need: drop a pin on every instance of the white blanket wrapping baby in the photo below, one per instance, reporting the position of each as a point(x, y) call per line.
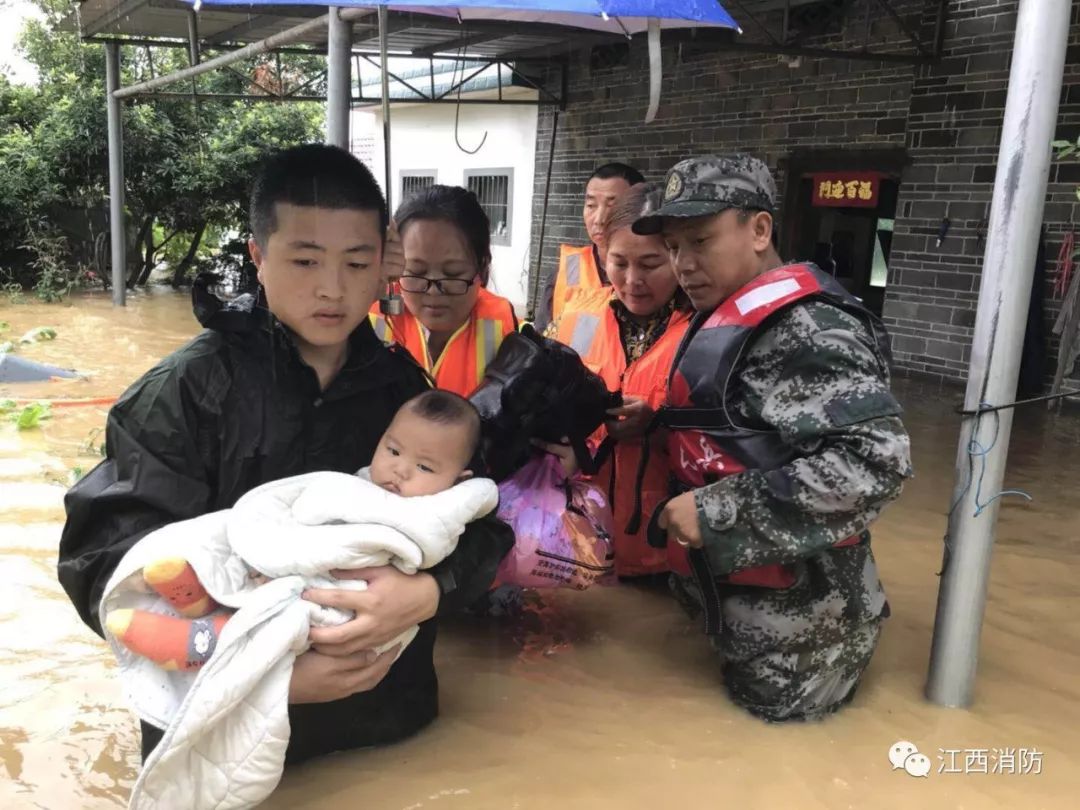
point(226, 725)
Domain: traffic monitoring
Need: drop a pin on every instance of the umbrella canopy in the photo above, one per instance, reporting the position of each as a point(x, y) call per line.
point(626, 16)
point(616, 16)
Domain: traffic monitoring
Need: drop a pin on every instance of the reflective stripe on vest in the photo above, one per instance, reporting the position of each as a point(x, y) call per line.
point(585, 326)
point(577, 271)
point(487, 343)
point(382, 329)
point(705, 448)
point(573, 269)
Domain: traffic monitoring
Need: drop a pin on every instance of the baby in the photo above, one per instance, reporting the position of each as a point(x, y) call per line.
point(427, 449)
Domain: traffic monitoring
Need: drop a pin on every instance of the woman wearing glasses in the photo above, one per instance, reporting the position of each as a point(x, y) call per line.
point(452, 325)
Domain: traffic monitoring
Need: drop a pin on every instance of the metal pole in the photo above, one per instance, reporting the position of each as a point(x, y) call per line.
point(193, 37)
point(543, 218)
point(1042, 29)
point(338, 80)
point(383, 34)
point(194, 55)
point(117, 235)
point(254, 49)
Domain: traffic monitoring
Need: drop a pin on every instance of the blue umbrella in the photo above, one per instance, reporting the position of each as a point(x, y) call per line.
point(622, 16)
point(625, 16)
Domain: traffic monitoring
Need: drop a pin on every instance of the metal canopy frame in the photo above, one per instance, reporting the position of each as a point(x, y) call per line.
point(450, 95)
point(552, 95)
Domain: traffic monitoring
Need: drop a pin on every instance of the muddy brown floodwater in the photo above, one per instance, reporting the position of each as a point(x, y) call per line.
point(606, 698)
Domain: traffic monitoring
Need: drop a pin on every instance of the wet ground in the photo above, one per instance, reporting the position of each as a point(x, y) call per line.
point(606, 698)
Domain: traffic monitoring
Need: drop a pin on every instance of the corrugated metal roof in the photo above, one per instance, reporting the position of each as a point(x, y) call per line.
point(243, 24)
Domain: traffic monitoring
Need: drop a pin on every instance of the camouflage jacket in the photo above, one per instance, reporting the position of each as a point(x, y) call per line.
point(849, 468)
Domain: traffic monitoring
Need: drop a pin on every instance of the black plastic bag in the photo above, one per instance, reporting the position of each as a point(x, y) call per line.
point(537, 388)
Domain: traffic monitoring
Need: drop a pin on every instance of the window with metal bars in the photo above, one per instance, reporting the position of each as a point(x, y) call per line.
point(494, 188)
point(414, 181)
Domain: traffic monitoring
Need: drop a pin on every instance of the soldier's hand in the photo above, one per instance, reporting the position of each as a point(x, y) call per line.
point(680, 520)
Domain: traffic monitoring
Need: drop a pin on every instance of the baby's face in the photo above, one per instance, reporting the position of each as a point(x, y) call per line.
point(419, 457)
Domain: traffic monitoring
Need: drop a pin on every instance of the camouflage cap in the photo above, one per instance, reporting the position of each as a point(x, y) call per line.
point(708, 185)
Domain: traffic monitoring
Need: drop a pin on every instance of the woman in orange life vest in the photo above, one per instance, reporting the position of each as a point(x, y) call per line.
point(628, 334)
point(452, 325)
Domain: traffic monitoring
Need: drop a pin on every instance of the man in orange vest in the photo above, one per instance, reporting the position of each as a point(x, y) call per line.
point(583, 267)
point(786, 443)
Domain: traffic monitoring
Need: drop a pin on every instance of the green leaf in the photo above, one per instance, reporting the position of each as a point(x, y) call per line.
point(4, 326)
point(7, 405)
point(1060, 144)
point(32, 415)
point(7, 346)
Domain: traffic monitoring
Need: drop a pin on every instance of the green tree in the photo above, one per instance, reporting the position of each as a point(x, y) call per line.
point(187, 164)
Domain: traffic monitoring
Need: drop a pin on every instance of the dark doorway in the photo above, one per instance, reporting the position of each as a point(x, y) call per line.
point(850, 241)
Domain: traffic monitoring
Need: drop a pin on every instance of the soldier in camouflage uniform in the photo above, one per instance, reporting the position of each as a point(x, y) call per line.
point(796, 616)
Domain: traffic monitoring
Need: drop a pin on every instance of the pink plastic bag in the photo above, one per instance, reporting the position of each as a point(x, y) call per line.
point(562, 529)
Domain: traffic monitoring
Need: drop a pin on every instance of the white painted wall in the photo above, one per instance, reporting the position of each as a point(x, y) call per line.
point(422, 137)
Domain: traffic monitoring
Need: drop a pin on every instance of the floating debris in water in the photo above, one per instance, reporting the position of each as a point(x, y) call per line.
point(38, 335)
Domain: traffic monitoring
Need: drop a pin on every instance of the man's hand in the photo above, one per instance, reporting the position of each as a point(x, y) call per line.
point(393, 257)
point(629, 421)
point(319, 678)
point(680, 520)
point(392, 603)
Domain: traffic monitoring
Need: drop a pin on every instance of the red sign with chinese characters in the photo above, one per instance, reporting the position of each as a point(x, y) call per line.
point(847, 189)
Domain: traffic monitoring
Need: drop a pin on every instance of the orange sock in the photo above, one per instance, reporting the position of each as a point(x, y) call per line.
point(172, 643)
point(175, 581)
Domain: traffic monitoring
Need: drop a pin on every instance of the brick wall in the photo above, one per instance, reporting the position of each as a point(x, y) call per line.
point(954, 126)
point(946, 115)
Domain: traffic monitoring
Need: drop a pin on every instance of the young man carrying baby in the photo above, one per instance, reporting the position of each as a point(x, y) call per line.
point(295, 383)
point(428, 449)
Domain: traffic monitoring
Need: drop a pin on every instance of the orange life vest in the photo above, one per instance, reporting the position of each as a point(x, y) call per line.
point(577, 271)
point(588, 325)
point(460, 367)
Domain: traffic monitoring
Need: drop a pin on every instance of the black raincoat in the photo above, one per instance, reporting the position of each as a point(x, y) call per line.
point(236, 408)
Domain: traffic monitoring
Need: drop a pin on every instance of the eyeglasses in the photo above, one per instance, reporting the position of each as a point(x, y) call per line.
point(446, 286)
